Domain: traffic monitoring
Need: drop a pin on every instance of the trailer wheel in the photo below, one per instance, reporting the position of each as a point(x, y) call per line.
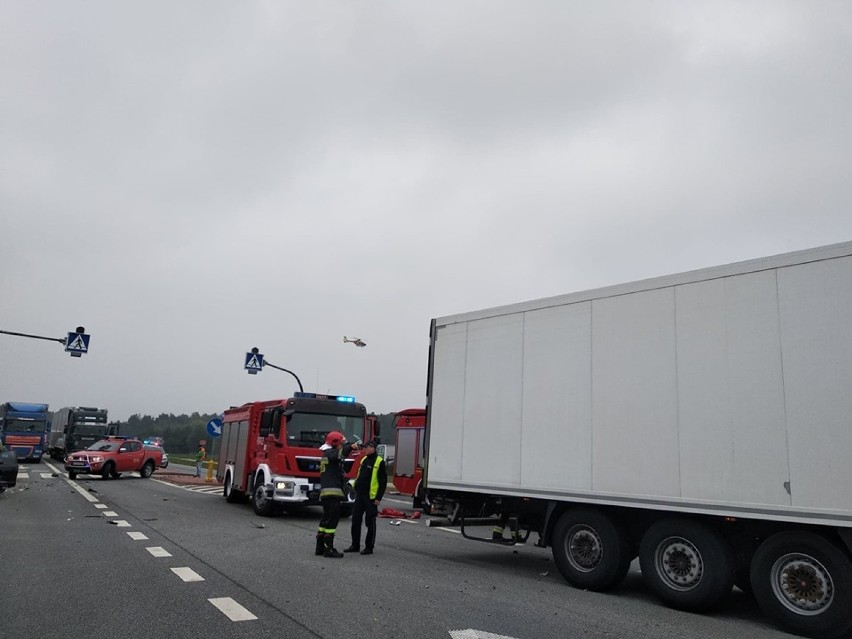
point(591, 550)
point(803, 582)
point(147, 469)
point(232, 495)
point(686, 564)
point(261, 504)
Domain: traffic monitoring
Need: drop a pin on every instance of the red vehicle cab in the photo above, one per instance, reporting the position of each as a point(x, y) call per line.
point(113, 456)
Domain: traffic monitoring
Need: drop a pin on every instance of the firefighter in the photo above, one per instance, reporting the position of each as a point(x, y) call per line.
point(335, 451)
point(369, 489)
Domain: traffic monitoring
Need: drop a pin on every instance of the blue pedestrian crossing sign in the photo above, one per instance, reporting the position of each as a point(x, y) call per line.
point(214, 427)
point(254, 363)
point(77, 344)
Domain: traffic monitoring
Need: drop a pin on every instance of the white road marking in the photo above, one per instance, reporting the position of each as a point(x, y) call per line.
point(120, 523)
point(187, 574)
point(158, 551)
point(231, 609)
point(136, 536)
point(458, 532)
point(470, 633)
point(101, 506)
point(22, 475)
point(82, 490)
point(47, 475)
point(110, 513)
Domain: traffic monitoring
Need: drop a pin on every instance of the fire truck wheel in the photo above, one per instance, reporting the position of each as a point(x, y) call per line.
point(687, 564)
point(232, 495)
point(261, 504)
point(591, 549)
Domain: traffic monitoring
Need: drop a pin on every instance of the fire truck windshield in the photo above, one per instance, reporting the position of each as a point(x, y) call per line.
point(309, 429)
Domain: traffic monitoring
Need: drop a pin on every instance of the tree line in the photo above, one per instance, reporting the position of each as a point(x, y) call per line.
point(182, 433)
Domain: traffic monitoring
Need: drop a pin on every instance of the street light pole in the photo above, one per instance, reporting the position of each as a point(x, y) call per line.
point(298, 381)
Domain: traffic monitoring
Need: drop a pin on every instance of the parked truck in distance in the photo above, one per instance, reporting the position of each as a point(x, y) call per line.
point(23, 429)
point(77, 428)
point(700, 421)
point(270, 450)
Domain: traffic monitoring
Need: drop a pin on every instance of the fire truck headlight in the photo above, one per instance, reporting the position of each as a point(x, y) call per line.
point(286, 487)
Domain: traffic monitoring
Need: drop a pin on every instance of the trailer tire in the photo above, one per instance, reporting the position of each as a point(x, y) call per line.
point(686, 564)
point(147, 469)
point(803, 582)
point(232, 496)
point(591, 549)
point(260, 503)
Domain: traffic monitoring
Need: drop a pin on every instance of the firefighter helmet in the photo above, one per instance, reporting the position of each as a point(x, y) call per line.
point(334, 438)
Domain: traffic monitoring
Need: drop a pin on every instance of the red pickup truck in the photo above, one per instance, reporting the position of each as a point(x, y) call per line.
point(113, 456)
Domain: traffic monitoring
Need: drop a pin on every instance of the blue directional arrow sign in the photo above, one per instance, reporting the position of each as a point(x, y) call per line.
point(254, 363)
point(77, 344)
point(214, 427)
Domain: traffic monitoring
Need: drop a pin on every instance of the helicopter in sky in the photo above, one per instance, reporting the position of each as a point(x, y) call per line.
point(355, 340)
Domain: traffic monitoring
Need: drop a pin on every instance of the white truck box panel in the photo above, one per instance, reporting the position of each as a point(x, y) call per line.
point(448, 387)
point(557, 396)
point(816, 330)
point(733, 434)
point(723, 389)
point(494, 351)
point(634, 391)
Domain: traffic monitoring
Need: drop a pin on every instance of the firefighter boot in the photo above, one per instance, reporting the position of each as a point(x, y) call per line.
point(329, 547)
point(320, 543)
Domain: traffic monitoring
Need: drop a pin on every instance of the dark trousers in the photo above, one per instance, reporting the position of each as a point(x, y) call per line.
point(330, 515)
point(366, 509)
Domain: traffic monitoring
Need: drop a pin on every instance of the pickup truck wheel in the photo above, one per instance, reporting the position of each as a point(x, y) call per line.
point(803, 582)
point(686, 564)
point(108, 470)
point(261, 504)
point(72, 474)
point(591, 550)
point(147, 469)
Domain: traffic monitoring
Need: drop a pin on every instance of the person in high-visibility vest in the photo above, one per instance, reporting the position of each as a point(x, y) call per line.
point(369, 489)
point(200, 456)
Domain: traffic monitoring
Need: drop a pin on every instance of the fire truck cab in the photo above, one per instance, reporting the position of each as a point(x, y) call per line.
point(271, 449)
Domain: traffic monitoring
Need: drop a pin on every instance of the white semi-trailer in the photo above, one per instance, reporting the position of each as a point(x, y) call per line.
point(702, 421)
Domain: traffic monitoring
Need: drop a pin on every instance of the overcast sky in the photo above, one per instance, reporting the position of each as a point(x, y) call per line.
point(188, 180)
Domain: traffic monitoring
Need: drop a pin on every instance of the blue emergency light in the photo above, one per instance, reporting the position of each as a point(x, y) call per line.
point(340, 398)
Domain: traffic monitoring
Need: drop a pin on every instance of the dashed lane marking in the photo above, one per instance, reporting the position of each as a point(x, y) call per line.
point(101, 506)
point(110, 513)
point(187, 574)
point(121, 523)
point(136, 536)
point(231, 609)
point(158, 551)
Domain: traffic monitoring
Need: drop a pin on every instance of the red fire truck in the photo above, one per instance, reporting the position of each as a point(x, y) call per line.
point(271, 449)
point(410, 427)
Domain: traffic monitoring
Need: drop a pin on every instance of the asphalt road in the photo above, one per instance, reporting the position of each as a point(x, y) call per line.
point(137, 557)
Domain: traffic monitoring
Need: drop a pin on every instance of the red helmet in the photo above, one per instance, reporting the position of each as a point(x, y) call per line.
point(334, 438)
